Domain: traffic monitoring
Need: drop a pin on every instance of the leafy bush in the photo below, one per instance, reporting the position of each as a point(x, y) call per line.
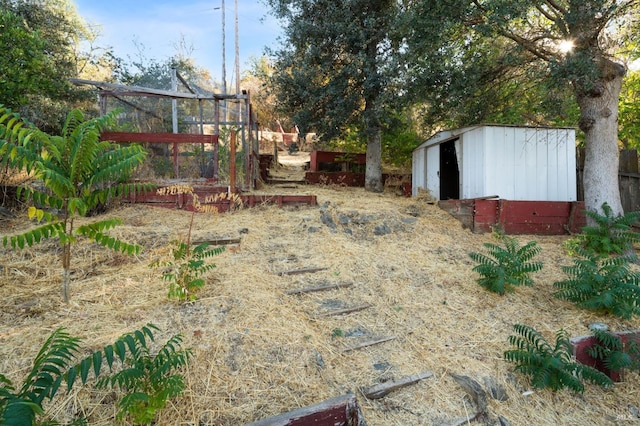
point(502, 269)
point(55, 364)
point(601, 283)
point(184, 272)
point(79, 173)
point(610, 234)
point(614, 353)
point(149, 381)
point(550, 366)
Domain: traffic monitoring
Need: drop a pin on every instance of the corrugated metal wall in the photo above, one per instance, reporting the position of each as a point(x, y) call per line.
point(473, 177)
point(514, 163)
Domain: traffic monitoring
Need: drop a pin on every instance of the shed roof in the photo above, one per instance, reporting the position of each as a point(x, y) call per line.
point(447, 135)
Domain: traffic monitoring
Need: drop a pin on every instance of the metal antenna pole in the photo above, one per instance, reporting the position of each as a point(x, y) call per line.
point(237, 62)
point(224, 53)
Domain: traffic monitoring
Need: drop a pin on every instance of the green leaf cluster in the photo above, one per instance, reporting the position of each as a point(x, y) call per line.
point(601, 283)
point(504, 267)
point(610, 234)
point(57, 363)
point(550, 366)
point(148, 380)
point(185, 270)
point(614, 353)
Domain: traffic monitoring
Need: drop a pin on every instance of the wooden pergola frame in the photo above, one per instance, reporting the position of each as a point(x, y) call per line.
point(246, 123)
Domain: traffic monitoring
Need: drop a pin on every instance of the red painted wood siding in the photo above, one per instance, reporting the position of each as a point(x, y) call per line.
point(519, 217)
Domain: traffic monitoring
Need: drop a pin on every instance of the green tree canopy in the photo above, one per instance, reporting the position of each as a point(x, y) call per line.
point(630, 111)
point(22, 62)
point(39, 41)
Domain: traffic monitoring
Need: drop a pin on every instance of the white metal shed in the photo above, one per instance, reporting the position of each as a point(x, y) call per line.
point(512, 163)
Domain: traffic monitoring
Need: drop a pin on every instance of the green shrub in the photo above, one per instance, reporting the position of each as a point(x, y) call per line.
point(502, 269)
point(187, 264)
point(610, 234)
point(550, 366)
point(149, 380)
point(601, 283)
point(56, 363)
point(185, 270)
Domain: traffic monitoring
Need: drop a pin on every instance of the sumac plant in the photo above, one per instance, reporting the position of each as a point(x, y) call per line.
point(601, 283)
point(78, 172)
point(57, 363)
point(550, 365)
point(186, 264)
point(502, 268)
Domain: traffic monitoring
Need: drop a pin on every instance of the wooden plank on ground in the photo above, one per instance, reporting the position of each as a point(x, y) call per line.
point(218, 241)
point(383, 389)
point(369, 343)
point(342, 410)
point(318, 288)
point(302, 271)
point(345, 311)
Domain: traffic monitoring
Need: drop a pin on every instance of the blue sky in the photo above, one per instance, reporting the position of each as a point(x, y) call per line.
point(159, 25)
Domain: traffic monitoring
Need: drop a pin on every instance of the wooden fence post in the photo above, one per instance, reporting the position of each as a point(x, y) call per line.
point(232, 162)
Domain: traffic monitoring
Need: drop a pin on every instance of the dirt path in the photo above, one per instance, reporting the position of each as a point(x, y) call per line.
point(291, 166)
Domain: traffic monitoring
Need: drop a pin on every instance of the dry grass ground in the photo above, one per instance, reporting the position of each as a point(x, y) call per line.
point(259, 351)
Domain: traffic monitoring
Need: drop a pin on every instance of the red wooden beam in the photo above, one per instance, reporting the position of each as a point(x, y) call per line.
point(582, 344)
point(158, 137)
point(340, 411)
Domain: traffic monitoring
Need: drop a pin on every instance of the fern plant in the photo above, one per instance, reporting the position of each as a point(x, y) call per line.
point(79, 172)
point(149, 380)
point(601, 283)
point(610, 234)
point(54, 365)
point(504, 268)
point(550, 366)
point(615, 354)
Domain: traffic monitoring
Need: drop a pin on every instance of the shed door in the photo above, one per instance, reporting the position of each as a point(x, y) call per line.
point(449, 172)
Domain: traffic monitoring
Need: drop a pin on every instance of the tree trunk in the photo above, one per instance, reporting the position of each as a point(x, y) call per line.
point(373, 88)
point(373, 171)
point(599, 121)
point(66, 271)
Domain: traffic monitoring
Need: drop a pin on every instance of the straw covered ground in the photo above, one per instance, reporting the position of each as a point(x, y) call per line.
point(259, 351)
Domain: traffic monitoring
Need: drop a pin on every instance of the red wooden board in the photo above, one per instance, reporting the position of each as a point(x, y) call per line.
point(158, 137)
point(339, 411)
point(185, 201)
point(581, 347)
point(317, 157)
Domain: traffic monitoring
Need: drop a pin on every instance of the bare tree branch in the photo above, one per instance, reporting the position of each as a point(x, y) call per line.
point(529, 45)
point(554, 4)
